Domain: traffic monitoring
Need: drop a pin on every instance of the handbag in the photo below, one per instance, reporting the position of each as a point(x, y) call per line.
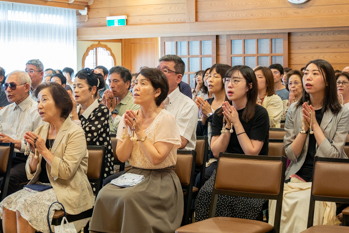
point(65, 226)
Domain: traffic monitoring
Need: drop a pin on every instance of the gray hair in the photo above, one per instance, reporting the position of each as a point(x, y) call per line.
point(37, 63)
point(22, 76)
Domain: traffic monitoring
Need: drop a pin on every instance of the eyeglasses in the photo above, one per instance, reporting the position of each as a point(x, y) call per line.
point(31, 71)
point(12, 85)
point(294, 83)
point(344, 83)
point(233, 81)
point(167, 70)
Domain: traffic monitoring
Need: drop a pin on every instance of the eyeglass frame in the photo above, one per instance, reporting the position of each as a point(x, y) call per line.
point(7, 85)
point(32, 71)
point(173, 71)
point(234, 79)
point(344, 83)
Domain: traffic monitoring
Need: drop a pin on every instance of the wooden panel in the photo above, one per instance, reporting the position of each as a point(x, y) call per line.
point(256, 13)
point(332, 46)
point(191, 11)
point(227, 5)
point(222, 49)
point(140, 52)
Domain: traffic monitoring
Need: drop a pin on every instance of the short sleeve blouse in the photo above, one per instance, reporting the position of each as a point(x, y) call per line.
point(162, 129)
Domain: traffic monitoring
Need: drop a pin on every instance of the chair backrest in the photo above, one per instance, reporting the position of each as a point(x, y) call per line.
point(6, 154)
point(276, 149)
point(184, 169)
point(250, 176)
point(330, 177)
point(114, 143)
point(276, 134)
point(201, 150)
point(96, 166)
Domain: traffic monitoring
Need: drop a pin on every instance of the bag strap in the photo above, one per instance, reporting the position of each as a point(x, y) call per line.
point(48, 214)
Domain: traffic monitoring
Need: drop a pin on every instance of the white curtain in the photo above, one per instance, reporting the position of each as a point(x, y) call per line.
point(37, 32)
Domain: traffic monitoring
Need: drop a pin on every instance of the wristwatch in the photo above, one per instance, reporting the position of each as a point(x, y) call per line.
point(210, 114)
point(115, 112)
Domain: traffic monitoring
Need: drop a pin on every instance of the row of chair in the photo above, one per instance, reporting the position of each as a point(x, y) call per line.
point(263, 177)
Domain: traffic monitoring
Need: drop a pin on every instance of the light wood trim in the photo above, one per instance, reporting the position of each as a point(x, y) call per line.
point(190, 11)
point(49, 3)
point(215, 28)
point(81, 18)
point(95, 46)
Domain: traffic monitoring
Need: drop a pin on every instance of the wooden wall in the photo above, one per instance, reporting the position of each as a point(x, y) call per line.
point(332, 46)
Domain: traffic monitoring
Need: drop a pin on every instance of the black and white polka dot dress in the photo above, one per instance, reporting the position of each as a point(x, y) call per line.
point(96, 128)
point(227, 206)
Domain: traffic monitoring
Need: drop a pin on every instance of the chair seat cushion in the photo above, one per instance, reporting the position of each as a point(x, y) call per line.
point(226, 224)
point(326, 229)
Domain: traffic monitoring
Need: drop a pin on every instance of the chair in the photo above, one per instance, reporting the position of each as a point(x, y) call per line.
point(329, 184)
point(6, 154)
point(201, 149)
point(345, 213)
point(114, 142)
point(276, 134)
point(185, 171)
point(249, 176)
point(95, 175)
point(276, 149)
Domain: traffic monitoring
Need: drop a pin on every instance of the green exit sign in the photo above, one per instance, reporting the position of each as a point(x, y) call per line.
point(116, 21)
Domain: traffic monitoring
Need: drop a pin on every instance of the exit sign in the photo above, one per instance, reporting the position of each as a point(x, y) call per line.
point(116, 20)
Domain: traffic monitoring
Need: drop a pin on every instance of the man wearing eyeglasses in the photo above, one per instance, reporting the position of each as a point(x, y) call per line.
point(3, 100)
point(179, 105)
point(35, 70)
point(16, 119)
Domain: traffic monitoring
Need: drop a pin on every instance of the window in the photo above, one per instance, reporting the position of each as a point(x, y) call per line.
point(98, 55)
point(257, 50)
point(198, 53)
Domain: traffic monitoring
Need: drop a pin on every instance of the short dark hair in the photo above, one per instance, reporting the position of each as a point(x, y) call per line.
point(50, 69)
point(278, 67)
point(287, 69)
point(61, 77)
point(345, 74)
point(124, 73)
point(269, 79)
point(2, 74)
point(60, 97)
point(59, 71)
point(158, 80)
point(69, 70)
point(179, 64)
point(330, 101)
point(293, 72)
point(105, 70)
point(91, 78)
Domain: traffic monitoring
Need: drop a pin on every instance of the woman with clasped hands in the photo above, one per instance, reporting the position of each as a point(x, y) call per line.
point(149, 139)
point(58, 159)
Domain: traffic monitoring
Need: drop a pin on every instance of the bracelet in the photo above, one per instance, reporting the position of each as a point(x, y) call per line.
point(227, 128)
point(240, 133)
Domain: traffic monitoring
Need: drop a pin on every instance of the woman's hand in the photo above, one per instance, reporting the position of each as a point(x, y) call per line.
point(199, 100)
point(230, 113)
point(35, 141)
point(308, 116)
point(132, 120)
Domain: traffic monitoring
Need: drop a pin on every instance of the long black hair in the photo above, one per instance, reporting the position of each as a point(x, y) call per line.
point(330, 100)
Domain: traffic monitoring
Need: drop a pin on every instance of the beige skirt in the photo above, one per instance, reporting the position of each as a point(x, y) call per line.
point(154, 205)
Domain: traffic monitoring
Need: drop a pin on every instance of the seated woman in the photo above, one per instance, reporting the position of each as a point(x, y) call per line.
point(343, 88)
point(149, 139)
point(267, 97)
point(241, 127)
point(316, 125)
point(60, 161)
point(92, 115)
point(200, 89)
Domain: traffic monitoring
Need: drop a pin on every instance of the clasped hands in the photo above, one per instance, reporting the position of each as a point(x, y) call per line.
point(35, 141)
point(203, 106)
point(109, 100)
point(309, 118)
point(230, 113)
point(133, 121)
